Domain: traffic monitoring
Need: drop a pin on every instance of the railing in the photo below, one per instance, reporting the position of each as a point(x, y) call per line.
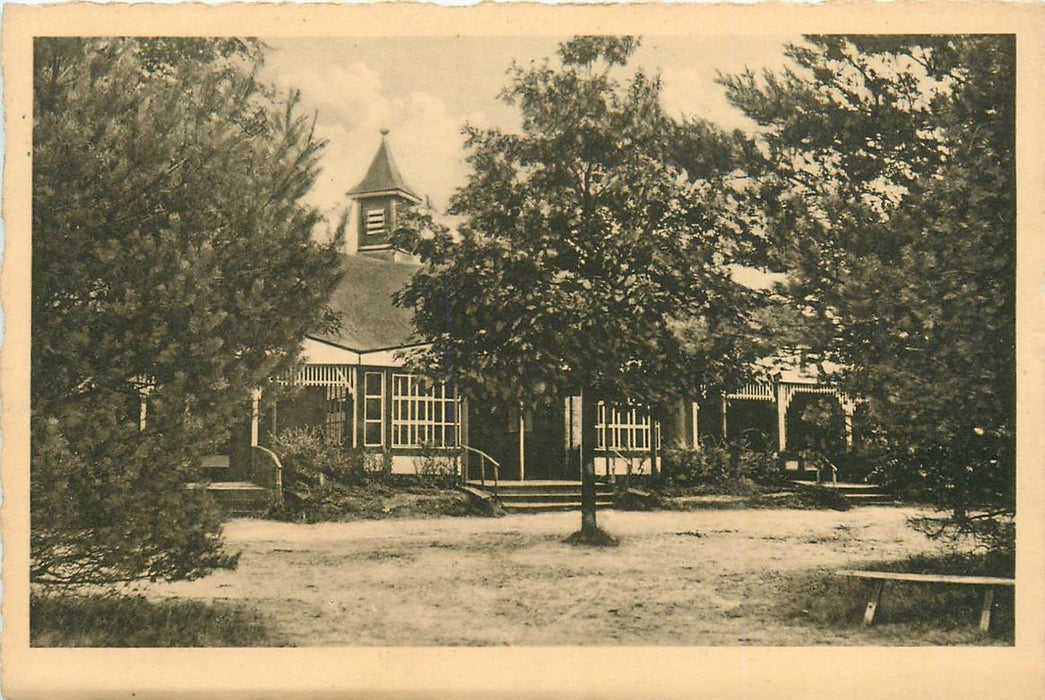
point(483, 457)
point(834, 473)
point(272, 477)
point(628, 460)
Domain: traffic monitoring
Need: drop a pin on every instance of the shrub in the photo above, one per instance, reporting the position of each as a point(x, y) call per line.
point(436, 466)
point(733, 468)
point(821, 497)
point(309, 460)
point(317, 474)
point(323, 481)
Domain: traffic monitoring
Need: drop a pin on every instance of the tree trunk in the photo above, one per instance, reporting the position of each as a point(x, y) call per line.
point(588, 408)
point(672, 432)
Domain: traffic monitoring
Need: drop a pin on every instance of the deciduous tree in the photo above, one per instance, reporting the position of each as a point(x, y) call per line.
point(589, 258)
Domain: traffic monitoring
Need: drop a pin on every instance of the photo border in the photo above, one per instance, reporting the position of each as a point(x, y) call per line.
point(554, 672)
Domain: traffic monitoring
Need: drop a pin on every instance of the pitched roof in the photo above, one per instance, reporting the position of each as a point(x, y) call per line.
point(383, 174)
point(363, 301)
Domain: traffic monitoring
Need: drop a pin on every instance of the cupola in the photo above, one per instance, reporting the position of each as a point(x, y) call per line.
point(379, 198)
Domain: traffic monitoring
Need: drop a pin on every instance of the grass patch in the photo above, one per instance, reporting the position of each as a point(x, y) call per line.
point(134, 621)
point(907, 609)
point(342, 503)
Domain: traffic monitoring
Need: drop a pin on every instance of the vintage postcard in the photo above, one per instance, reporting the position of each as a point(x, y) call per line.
point(523, 351)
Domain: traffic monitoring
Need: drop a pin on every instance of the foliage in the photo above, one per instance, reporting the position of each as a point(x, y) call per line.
point(323, 481)
point(817, 496)
point(823, 426)
point(884, 181)
point(134, 621)
point(172, 258)
point(309, 460)
point(591, 251)
point(727, 468)
point(435, 465)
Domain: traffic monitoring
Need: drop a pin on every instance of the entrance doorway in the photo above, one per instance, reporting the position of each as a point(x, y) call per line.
point(528, 444)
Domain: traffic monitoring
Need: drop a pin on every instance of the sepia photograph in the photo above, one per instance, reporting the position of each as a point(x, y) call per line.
point(559, 339)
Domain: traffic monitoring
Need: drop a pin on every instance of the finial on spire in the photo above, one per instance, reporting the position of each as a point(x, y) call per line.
point(384, 132)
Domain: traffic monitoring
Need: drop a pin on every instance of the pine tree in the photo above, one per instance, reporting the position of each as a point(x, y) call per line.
point(172, 255)
point(885, 171)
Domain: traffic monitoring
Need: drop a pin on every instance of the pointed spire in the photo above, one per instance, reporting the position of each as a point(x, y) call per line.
point(383, 175)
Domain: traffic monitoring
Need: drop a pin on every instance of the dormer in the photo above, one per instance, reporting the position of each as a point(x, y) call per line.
point(380, 197)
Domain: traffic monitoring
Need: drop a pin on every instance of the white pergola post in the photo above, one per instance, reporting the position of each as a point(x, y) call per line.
point(143, 406)
point(781, 417)
point(522, 444)
point(696, 425)
point(255, 415)
point(725, 422)
point(354, 383)
point(848, 409)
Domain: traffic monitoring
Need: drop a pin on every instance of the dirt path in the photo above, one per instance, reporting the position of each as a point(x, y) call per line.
point(692, 578)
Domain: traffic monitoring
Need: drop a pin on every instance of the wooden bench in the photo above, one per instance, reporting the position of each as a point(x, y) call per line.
point(880, 577)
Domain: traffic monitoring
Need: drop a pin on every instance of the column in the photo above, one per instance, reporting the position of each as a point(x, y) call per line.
point(522, 444)
point(847, 410)
point(143, 407)
point(696, 426)
point(255, 414)
point(725, 424)
point(356, 382)
point(781, 417)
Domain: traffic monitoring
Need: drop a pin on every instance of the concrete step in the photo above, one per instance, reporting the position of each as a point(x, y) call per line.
point(239, 498)
point(542, 495)
point(547, 496)
point(869, 498)
point(551, 507)
point(856, 494)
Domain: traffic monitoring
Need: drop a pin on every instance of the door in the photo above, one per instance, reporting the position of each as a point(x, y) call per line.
point(489, 430)
point(546, 443)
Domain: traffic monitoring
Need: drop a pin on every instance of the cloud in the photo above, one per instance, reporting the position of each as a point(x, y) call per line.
point(352, 106)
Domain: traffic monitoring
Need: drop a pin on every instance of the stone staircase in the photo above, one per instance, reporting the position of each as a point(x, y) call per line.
point(540, 496)
point(857, 494)
point(239, 498)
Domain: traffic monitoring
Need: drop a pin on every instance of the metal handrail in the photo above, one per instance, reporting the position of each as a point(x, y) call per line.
point(627, 460)
point(277, 475)
point(482, 466)
point(834, 473)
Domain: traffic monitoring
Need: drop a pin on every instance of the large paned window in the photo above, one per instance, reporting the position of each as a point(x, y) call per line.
point(622, 428)
point(374, 409)
point(423, 413)
point(335, 426)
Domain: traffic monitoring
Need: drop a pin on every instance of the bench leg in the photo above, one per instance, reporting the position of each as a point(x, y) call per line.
point(985, 612)
point(872, 605)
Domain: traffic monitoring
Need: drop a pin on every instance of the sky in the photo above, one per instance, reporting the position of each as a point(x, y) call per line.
point(425, 89)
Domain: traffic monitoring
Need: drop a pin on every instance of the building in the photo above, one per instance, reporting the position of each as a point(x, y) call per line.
point(354, 386)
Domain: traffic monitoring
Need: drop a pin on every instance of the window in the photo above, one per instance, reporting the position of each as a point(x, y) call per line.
point(374, 222)
point(336, 414)
point(623, 428)
point(423, 413)
point(374, 409)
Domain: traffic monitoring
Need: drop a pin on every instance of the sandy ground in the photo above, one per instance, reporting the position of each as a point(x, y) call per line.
point(678, 578)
